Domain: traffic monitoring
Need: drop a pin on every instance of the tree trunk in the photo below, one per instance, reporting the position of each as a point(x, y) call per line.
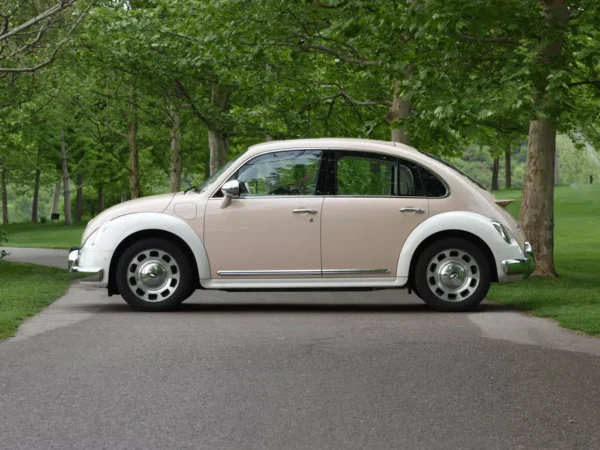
point(556, 175)
point(4, 196)
point(100, 199)
point(399, 110)
point(134, 159)
point(123, 197)
point(537, 204)
point(271, 138)
point(79, 201)
point(36, 196)
point(175, 177)
point(507, 169)
point(55, 199)
point(219, 147)
point(66, 184)
point(495, 172)
point(218, 139)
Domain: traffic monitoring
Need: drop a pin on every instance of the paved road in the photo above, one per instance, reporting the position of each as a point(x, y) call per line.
point(272, 371)
point(44, 257)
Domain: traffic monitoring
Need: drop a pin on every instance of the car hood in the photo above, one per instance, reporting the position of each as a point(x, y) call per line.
point(154, 203)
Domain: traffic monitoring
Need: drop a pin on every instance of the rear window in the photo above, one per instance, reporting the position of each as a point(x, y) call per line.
point(432, 185)
point(456, 169)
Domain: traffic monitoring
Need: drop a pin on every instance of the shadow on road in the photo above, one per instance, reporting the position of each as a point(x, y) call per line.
point(204, 308)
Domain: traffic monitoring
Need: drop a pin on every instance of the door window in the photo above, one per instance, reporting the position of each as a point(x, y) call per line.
point(374, 174)
point(357, 175)
point(281, 173)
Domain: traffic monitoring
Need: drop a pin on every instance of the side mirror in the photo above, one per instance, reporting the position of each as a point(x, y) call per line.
point(231, 189)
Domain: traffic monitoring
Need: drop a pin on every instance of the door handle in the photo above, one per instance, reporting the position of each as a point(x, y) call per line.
point(412, 210)
point(304, 211)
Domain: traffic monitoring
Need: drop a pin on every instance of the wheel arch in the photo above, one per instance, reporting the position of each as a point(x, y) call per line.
point(463, 224)
point(445, 234)
point(146, 234)
point(117, 234)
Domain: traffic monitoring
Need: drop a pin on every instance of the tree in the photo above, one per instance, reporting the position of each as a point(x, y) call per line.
point(31, 33)
point(504, 61)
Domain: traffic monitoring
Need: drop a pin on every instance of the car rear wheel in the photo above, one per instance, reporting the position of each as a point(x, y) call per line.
point(452, 275)
point(154, 275)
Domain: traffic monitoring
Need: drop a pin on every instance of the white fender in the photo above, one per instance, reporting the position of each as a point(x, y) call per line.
point(113, 232)
point(480, 226)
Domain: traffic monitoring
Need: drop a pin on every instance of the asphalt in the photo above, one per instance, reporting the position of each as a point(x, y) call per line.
point(294, 370)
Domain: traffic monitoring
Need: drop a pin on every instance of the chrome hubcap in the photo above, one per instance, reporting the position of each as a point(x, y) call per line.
point(153, 275)
point(453, 275)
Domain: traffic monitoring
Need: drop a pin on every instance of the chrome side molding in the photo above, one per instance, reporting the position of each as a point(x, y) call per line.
point(267, 273)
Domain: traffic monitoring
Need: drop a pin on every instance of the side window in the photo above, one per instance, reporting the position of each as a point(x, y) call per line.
point(282, 173)
point(364, 175)
point(432, 185)
point(406, 179)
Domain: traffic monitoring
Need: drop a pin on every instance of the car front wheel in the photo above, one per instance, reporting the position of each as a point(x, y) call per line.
point(154, 275)
point(452, 275)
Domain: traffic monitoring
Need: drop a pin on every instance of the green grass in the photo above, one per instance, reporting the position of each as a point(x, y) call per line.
point(37, 235)
point(573, 299)
point(26, 289)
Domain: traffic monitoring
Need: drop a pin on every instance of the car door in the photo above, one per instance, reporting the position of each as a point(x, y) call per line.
point(274, 228)
point(375, 201)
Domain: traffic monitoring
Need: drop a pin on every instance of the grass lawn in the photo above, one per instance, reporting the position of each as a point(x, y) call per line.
point(37, 235)
point(26, 289)
point(573, 299)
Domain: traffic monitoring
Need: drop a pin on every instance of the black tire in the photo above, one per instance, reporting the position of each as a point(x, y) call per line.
point(429, 280)
point(179, 279)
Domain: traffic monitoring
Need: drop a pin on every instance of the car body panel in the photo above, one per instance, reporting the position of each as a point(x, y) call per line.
point(262, 233)
point(465, 221)
point(99, 249)
point(366, 234)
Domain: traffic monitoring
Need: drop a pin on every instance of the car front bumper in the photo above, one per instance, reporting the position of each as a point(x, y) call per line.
point(520, 267)
point(86, 274)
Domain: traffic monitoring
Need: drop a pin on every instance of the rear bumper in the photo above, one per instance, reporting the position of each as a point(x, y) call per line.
point(78, 271)
point(520, 268)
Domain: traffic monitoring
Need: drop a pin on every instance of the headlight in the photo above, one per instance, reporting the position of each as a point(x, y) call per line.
point(502, 231)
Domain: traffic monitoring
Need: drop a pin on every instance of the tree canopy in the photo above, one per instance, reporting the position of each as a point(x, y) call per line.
point(114, 99)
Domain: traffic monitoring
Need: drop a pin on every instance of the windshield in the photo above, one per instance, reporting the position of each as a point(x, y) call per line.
point(456, 169)
point(210, 180)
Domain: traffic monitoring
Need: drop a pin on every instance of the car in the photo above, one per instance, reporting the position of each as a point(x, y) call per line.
point(312, 214)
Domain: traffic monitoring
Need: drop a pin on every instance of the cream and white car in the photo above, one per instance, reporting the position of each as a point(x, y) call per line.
point(318, 214)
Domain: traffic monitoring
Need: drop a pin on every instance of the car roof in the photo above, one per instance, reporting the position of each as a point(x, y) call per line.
point(340, 143)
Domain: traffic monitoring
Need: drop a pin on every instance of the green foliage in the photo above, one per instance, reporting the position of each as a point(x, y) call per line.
point(470, 70)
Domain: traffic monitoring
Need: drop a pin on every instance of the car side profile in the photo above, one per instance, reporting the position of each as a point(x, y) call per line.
point(315, 214)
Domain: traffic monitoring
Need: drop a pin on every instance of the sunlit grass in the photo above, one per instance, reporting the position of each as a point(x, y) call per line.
point(26, 289)
point(573, 299)
point(49, 235)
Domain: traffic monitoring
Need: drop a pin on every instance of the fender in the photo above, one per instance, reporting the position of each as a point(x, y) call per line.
point(477, 224)
point(113, 232)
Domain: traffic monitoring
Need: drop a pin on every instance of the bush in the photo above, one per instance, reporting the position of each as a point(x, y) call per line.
point(43, 219)
point(3, 253)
